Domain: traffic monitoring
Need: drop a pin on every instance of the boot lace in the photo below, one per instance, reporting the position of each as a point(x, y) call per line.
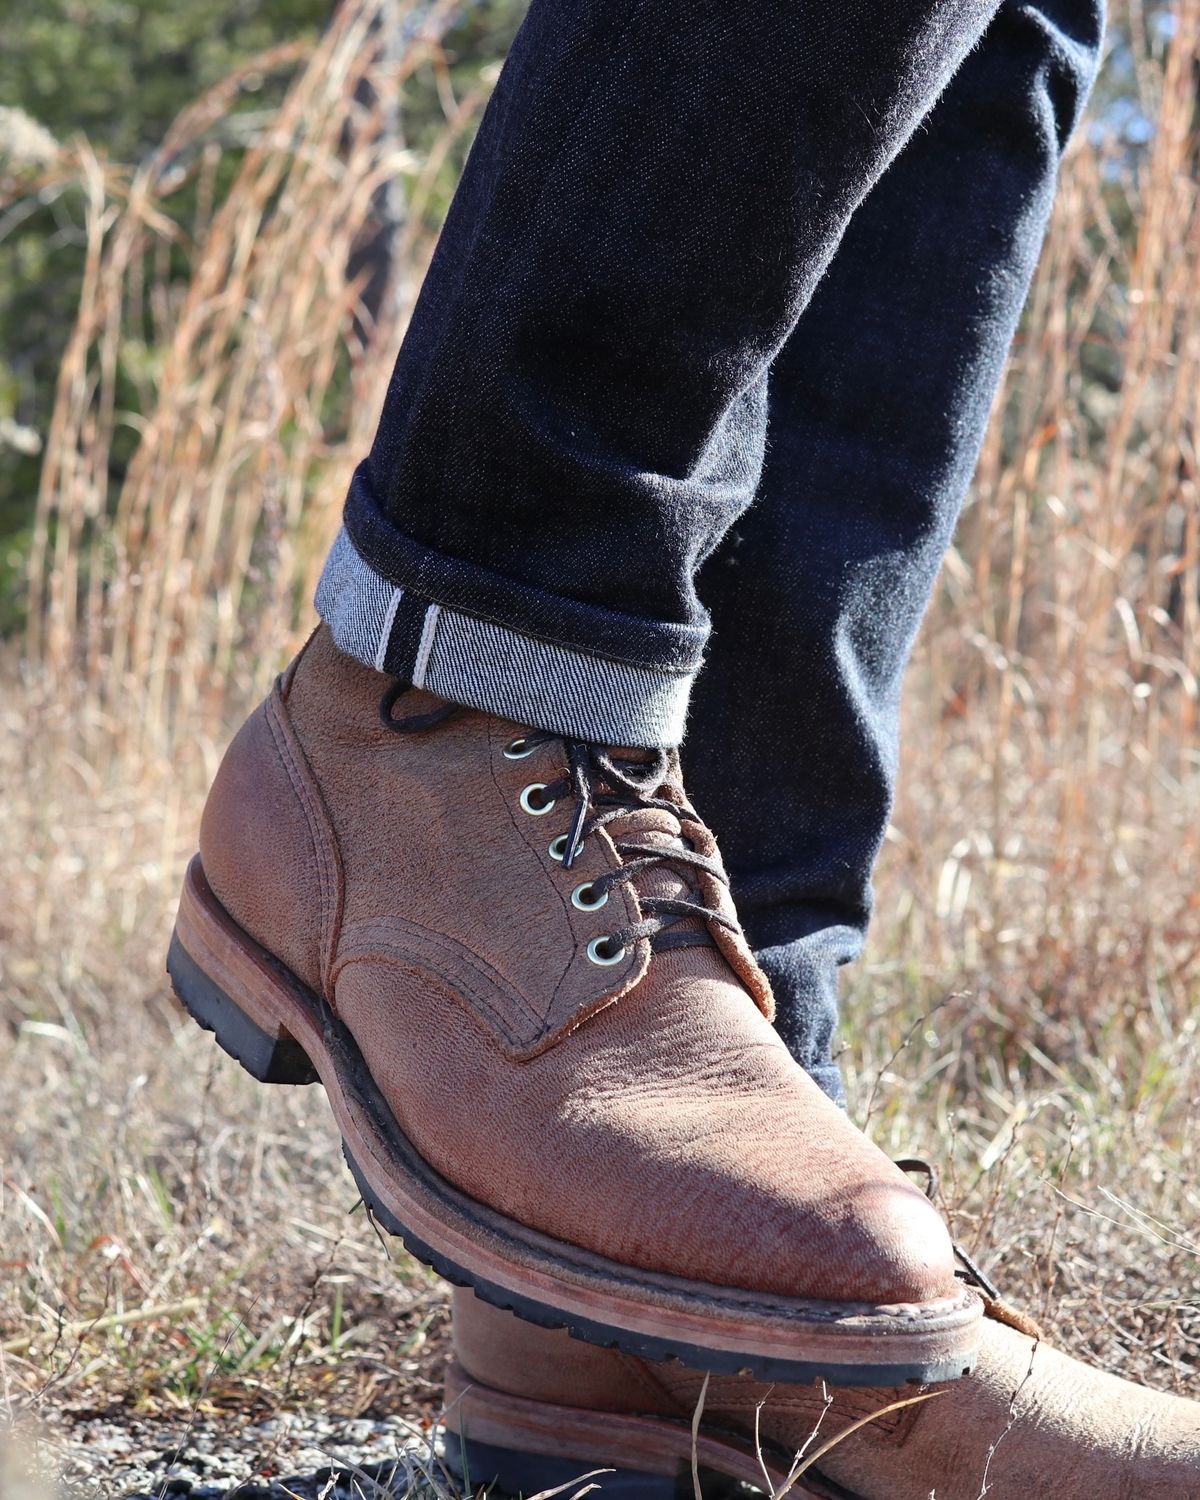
point(968, 1270)
point(607, 788)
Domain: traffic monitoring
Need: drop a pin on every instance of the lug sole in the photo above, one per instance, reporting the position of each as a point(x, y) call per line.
point(281, 1032)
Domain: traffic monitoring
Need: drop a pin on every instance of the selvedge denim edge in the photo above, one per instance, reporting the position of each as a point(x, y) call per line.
point(492, 666)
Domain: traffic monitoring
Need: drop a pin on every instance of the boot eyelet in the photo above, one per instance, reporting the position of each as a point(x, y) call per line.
point(586, 897)
point(534, 809)
point(518, 749)
point(601, 952)
point(558, 848)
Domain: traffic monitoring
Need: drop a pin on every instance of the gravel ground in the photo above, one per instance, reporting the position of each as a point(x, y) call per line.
point(295, 1457)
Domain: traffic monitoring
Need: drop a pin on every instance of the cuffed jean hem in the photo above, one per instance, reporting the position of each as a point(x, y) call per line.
point(828, 1078)
point(489, 666)
point(661, 646)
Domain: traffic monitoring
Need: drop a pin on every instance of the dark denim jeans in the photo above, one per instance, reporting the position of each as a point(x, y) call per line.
point(700, 255)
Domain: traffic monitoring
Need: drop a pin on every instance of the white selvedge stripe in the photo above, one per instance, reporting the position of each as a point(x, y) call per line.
point(499, 670)
point(356, 604)
point(425, 645)
point(385, 634)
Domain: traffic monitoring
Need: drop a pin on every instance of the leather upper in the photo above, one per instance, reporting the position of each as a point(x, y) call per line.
point(645, 1111)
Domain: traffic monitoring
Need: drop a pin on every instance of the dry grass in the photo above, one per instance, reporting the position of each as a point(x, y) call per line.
point(176, 1238)
point(173, 1239)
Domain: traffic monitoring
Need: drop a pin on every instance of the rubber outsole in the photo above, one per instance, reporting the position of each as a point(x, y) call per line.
point(263, 1057)
point(282, 1060)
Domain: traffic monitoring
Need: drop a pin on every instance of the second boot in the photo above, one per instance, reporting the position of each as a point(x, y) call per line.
point(527, 1411)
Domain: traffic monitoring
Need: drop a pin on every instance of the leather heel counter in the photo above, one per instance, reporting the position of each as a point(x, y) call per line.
point(260, 850)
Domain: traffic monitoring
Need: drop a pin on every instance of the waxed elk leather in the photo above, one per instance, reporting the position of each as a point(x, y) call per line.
point(646, 1111)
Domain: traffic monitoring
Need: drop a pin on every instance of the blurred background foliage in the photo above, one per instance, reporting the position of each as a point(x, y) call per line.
point(118, 72)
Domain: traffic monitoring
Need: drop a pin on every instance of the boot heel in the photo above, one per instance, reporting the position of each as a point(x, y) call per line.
point(267, 1058)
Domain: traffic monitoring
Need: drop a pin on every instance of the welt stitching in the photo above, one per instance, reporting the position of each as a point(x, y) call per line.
point(886, 1425)
point(647, 1381)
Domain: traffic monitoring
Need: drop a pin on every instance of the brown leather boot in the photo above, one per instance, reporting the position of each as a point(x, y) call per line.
point(554, 1076)
point(528, 1410)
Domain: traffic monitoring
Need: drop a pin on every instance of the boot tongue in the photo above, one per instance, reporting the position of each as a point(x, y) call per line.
point(664, 880)
point(655, 828)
